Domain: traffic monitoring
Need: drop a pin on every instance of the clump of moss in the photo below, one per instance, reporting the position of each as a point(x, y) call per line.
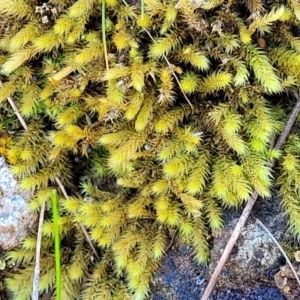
point(181, 116)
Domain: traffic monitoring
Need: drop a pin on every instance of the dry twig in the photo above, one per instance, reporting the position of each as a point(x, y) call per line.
point(36, 279)
point(243, 218)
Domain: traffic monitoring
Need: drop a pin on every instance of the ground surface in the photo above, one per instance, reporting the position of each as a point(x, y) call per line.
point(250, 272)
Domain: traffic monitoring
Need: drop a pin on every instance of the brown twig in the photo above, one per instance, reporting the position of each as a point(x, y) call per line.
point(36, 279)
point(289, 124)
point(243, 218)
point(16, 111)
point(172, 241)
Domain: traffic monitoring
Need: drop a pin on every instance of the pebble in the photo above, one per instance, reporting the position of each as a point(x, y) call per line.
point(89, 150)
point(34, 78)
point(77, 159)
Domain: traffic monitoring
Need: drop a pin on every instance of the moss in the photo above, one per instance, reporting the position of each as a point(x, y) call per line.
point(173, 161)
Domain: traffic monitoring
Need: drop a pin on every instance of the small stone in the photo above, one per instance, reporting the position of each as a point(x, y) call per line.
point(45, 20)
point(15, 217)
point(200, 281)
point(34, 78)
point(89, 149)
point(77, 159)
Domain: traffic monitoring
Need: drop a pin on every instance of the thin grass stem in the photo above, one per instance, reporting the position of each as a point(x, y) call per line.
point(104, 33)
point(142, 8)
point(57, 245)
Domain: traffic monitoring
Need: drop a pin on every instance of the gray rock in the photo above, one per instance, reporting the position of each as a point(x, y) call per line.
point(254, 256)
point(249, 273)
point(15, 217)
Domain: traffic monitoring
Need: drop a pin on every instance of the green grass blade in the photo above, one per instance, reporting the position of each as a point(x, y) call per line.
point(104, 33)
point(142, 8)
point(57, 245)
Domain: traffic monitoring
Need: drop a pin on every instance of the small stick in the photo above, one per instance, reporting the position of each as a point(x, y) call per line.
point(232, 241)
point(243, 218)
point(280, 248)
point(172, 241)
point(36, 279)
point(16, 111)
